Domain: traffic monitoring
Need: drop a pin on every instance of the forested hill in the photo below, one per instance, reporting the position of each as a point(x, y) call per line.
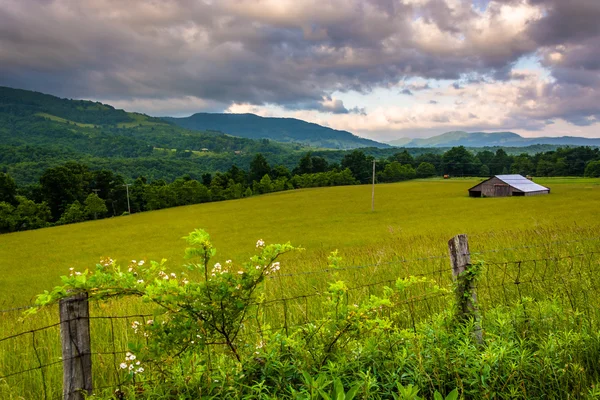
point(485, 139)
point(289, 130)
point(38, 131)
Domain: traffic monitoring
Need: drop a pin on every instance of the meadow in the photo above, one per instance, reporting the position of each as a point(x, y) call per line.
point(411, 219)
point(407, 234)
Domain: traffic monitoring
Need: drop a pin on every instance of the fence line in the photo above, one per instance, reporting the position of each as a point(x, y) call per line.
point(511, 274)
point(394, 262)
point(315, 294)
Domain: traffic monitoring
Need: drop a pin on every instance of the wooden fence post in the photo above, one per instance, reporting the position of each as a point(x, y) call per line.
point(466, 293)
point(76, 347)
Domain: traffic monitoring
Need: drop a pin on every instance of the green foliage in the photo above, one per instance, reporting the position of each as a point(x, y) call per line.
point(359, 164)
point(94, 206)
point(74, 213)
point(592, 169)
point(279, 129)
point(190, 314)
point(26, 215)
point(425, 170)
point(362, 350)
point(320, 179)
point(395, 172)
point(484, 171)
point(8, 189)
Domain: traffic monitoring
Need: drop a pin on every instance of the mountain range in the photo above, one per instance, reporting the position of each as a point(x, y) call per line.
point(493, 139)
point(286, 130)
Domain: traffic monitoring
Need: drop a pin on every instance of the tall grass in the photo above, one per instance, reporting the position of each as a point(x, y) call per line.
point(406, 236)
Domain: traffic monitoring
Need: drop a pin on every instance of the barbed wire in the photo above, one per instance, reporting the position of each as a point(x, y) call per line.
point(534, 246)
point(514, 281)
point(387, 263)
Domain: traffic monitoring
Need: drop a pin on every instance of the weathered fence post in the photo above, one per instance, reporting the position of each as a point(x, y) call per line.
point(76, 347)
point(466, 293)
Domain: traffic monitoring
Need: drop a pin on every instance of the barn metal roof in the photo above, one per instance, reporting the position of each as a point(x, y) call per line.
point(521, 183)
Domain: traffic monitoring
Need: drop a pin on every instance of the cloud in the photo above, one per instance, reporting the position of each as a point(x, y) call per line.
point(182, 56)
point(272, 51)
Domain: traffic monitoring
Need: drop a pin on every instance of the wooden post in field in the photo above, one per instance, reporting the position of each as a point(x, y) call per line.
point(373, 189)
point(466, 294)
point(76, 347)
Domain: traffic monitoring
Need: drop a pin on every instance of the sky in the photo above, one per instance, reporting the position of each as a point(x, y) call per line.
point(382, 69)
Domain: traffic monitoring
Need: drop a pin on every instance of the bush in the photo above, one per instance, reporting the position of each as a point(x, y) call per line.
point(592, 169)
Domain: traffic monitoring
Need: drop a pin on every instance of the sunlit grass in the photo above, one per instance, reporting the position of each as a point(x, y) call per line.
point(406, 234)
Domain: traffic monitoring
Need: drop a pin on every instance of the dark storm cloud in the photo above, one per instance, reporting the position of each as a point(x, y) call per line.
point(238, 51)
point(296, 53)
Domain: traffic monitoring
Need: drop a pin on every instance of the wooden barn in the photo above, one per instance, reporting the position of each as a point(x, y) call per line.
point(507, 185)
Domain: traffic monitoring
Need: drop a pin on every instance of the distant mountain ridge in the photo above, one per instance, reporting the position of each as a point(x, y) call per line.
point(491, 139)
point(289, 130)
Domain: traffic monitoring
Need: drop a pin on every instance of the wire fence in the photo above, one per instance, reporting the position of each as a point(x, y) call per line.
point(569, 279)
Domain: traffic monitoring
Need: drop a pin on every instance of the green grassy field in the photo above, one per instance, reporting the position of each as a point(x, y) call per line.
point(411, 219)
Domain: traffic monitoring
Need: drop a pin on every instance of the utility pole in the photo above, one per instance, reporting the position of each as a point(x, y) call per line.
point(128, 206)
point(373, 190)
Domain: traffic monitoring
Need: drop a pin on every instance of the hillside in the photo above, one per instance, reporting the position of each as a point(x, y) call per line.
point(493, 139)
point(39, 130)
point(288, 130)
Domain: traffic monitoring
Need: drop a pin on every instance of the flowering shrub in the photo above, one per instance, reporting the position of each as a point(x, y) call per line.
point(205, 305)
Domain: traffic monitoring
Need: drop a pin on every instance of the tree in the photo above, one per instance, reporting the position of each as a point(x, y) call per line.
point(592, 169)
point(501, 162)
point(31, 215)
point(63, 185)
point(459, 161)
point(281, 171)
point(264, 186)
point(360, 165)
point(8, 189)
point(403, 157)
point(8, 221)
point(74, 213)
point(544, 168)
point(395, 172)
point(305, 165)
point(484, 171)
point(259, 167)
point(319, 164)
point(95, 206)
point(425, 170)
point(523, 165)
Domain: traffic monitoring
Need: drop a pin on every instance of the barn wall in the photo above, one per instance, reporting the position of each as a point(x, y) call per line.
point(488, 187)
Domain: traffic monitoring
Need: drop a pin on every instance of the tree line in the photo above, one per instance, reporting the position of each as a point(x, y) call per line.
point(73, 192)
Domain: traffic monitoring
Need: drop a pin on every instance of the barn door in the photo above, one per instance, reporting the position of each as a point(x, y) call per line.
point(501, 190)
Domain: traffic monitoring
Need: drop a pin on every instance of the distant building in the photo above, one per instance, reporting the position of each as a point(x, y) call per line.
point(507, 185)
point(237, 152)
point(205, 150)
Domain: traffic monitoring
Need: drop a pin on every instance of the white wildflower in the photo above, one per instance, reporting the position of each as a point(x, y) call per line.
point(123, 365)
point(140, 281)
point(141, 263)
point(260, 243)
point(241, 272)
